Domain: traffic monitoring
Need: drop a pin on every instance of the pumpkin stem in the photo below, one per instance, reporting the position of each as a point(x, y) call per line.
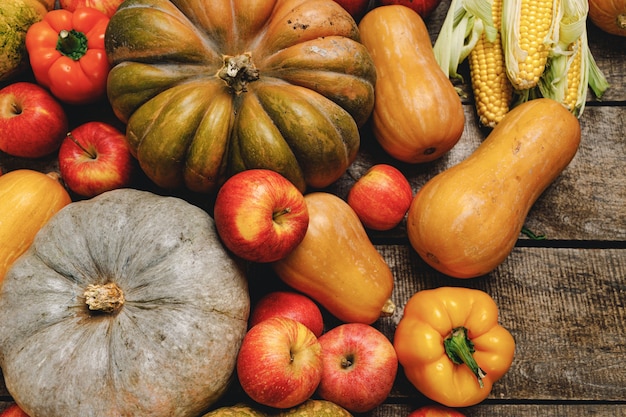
point(621, 20)
point(238, 71)
point(460, 350)
point(106, 298)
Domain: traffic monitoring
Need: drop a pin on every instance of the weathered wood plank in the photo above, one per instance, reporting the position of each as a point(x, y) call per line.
point(507, 410)
point(566, 309)
point(586, 202)
point(495, 410)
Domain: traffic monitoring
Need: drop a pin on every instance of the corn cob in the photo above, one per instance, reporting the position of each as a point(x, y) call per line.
point(528, 34)
point(492, 89)
point(571, 68)
point(459, 34)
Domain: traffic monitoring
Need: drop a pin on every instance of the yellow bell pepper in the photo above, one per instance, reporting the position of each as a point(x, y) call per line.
point(451, 346)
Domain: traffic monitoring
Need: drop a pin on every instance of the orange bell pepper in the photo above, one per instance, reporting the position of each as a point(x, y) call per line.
point(451, 346)
point(67, 55)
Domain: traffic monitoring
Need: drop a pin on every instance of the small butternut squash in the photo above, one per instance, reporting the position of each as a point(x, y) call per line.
point(466, 220)
point(417, 114)
point(28, 199)
point(337, 265)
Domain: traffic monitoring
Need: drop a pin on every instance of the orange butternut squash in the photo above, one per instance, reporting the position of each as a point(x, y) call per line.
point(466, 220)
point(28, 199)
point(417, 115)
point(337, 265)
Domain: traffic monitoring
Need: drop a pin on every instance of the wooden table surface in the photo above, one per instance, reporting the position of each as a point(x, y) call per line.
point(562, 298)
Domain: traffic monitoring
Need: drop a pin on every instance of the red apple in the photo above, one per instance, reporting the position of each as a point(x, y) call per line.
point(288, 304)
point(260, 215)
point(381, 197)
point(423, 7)
point(356, 8)
point(95, 158)
point(13, 411)
point(279, 363)
point(435, 411)
point(108, 7)
point(32, 122)
point(359, 367)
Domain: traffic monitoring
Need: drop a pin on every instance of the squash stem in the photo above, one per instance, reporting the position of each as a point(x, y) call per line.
point(106, 298)
point(238, 71)
point(460, 350)
point(72, 44)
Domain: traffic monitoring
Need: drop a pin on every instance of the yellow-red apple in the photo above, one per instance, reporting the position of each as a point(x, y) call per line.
point(260, 215)
point(32, 122)
point(288, 304)
point(359, 367)
point(279, 363)
point(95, 158)
point(381, 197)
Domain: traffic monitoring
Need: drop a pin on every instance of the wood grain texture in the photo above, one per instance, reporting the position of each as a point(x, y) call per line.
point(562, 298)
point(566, 309)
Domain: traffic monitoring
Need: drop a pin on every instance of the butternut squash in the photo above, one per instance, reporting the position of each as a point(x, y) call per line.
point(417, 115)
point(28, 199)
point(466, 220)
point(337, 265)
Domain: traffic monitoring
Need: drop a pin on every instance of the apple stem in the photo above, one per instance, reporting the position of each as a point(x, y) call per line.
point(460, 350)
point(73, 139)
point(346, 362)
point(286, 210)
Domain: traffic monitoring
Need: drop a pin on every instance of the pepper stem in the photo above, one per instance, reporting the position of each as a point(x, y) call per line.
point(72, 44)
point(460, 350)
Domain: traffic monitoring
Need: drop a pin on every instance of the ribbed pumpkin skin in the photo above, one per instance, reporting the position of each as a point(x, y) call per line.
point(609, 15)
point(28, 199)
point(170, 349)
point(418, 115)
point(466, 220)
point(189, 128)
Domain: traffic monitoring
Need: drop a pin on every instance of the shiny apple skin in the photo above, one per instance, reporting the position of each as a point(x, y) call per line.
point(260, 215)
point(279, 363)
point(32, 122)
point(94, 158)
point(289, 304)
point(381, 197)
point(360, 367)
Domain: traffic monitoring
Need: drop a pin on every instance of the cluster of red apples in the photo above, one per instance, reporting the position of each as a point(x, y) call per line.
point(286, 357)
point(93, 157)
